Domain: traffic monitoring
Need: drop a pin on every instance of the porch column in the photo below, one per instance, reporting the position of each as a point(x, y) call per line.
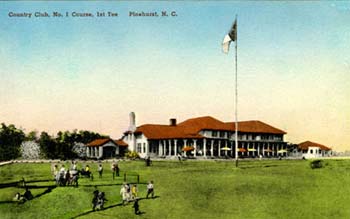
point(212, 148)
point(205, 147)
point(147, 149)
point(226, 146)
point(195, 147)
point(164, 147)
point(263, 150)
point(100, 153)
point(231, 142)
point(258, 149)
point(247, 147)
point(219, 149)
point(254, 148)
point(169, 147)
point(87, 151)
point(160, 148)
point(175, 147)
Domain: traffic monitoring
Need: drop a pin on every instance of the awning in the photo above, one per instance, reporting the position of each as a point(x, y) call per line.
point(242, 150)
point(225, 149)
point(187, 148)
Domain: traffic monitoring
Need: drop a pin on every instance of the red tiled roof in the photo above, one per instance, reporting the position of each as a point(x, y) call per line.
point(190, 128)
point(98, 142)
point(306, 144)
point(121, 143)
point(256, 126)
point(203, 123)
point(164, 132)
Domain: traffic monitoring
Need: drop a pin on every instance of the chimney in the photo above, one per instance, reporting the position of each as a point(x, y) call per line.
point(132, 120)
point(172, 122)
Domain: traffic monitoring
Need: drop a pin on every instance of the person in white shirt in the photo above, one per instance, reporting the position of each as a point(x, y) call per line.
point(150, 189)
point(124, 193)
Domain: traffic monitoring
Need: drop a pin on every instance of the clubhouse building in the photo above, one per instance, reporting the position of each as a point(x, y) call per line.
point(205, 137)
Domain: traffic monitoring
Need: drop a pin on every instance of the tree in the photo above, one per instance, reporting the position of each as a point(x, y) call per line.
point(10, 141)
point(66, 145)
point(48, 146)
point(32, 136)
point(30, 150)
point(80, 149)
point(88, 136)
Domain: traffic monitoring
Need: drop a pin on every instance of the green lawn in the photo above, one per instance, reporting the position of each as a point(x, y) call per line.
point(191, 189)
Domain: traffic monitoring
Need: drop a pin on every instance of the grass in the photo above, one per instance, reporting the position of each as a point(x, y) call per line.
point(192, 189)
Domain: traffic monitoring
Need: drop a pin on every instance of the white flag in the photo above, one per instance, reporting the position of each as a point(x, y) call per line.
point(231, 36)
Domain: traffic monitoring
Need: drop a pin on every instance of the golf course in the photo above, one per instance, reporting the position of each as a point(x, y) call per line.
point(188, 189)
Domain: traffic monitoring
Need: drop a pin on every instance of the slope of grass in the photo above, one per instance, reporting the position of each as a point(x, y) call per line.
point(192, 189)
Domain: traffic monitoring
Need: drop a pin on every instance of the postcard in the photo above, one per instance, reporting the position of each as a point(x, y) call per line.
point(176, 80)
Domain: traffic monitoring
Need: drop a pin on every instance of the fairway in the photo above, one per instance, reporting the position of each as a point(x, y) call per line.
point(190, 189)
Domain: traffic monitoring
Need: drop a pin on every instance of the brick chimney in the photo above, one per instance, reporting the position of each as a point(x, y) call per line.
point(172, 122)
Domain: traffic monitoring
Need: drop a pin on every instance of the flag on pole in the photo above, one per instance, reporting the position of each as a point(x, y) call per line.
point(231, 36)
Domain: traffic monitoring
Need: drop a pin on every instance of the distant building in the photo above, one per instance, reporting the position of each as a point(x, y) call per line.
point(105, 148)
point(206, 137)
point(310, 149)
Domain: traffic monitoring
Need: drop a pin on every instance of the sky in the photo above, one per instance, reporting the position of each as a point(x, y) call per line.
point(87, 73)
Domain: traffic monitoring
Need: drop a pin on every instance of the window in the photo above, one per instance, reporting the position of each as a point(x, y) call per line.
point(144, 147)
point(138, 149)
point(222, 134)
point(215, 133)
point(311, 151)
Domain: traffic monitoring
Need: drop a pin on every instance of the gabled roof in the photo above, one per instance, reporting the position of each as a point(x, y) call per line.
point(256, 126)
point(203, 123)
point(190, 128)
point(164, 132)
point(100, 142)
point(121, 143)
point(306, 144)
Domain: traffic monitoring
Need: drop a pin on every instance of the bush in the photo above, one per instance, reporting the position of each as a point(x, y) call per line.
point(132, 155)
point(316, 164)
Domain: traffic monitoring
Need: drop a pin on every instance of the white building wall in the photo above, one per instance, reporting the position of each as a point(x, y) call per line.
point(141, 139)
point(313, 152)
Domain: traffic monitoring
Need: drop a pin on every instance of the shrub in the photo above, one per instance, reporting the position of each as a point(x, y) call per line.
point(316, 164)
point(132, 155)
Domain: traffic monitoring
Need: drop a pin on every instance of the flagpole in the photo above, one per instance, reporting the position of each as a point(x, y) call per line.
point(236, 98)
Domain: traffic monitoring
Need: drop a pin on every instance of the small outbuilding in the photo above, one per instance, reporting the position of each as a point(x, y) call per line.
point(310, 149)
point(105, 148)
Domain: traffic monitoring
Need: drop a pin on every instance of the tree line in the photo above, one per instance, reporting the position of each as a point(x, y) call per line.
point(61, 146)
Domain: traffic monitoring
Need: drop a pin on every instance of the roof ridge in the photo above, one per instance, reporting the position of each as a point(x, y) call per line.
point(200, 118)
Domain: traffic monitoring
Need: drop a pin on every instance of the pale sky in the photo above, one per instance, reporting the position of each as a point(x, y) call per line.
point(90, 73)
